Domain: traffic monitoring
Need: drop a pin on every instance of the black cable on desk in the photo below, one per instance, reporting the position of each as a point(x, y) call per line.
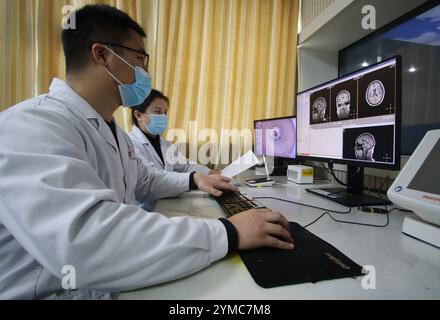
point(349, 222)
point(327, 212)
point(304, 205)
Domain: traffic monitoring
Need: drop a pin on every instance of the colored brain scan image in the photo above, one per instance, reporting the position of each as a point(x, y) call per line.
point(276, 136)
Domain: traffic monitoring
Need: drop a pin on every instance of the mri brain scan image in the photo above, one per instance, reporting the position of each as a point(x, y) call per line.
point(318, 109)
point(375, 93)
point(371, 144)
point(364, 147)
point(343, 104)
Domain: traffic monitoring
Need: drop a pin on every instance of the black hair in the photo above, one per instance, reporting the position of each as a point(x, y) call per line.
point(154, 94)
point(95, 23)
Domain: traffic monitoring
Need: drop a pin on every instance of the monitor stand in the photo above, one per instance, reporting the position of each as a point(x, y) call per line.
point(279, 171)
point(353, 195)
point(417, 228)
point(276, 169)
point(280, 167)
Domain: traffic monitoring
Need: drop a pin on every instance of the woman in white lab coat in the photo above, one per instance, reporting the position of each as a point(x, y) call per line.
point(149, 122)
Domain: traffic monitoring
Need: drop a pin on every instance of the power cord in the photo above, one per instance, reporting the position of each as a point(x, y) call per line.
point(380, 190)
point(331, 171)
point(354, 223)
point(304, 205)
point(327, 212)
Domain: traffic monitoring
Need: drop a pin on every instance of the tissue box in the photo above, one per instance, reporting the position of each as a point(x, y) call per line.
point(300, 174)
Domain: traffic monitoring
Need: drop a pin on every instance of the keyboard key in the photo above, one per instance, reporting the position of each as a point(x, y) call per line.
point(235, 202)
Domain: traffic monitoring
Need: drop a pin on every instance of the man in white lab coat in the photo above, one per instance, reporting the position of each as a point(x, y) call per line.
point(70, 182)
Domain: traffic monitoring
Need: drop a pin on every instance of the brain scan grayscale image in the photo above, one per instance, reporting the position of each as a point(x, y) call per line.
point(375, 93)
point(364, 147)
point(318, 109)
point(343, 104)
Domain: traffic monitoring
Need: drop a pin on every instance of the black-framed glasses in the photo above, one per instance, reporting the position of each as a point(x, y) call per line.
point(146, 55)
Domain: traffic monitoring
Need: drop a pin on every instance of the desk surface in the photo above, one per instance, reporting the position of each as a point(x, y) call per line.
point(406, 268)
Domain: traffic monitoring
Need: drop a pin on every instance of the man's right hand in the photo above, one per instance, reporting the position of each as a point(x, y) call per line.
point(262, 228)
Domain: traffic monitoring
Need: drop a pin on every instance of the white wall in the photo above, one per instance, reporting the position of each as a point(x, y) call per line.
point(310, 9)
point(315, 67)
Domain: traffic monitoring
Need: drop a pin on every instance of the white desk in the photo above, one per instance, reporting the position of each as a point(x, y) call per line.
point(405, 267)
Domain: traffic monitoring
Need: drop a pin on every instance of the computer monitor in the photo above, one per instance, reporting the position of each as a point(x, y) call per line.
point(417, 188)
point(353, 120)
point(276, 138)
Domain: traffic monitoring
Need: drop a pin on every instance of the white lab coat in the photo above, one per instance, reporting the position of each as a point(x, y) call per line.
point(68, 197)
point(174, 161)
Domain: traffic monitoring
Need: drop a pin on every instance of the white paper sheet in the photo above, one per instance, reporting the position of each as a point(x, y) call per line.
point(241, 164)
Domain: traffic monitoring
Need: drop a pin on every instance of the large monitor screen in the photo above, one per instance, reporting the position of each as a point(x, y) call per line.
point(276, 137)
point(353, 119)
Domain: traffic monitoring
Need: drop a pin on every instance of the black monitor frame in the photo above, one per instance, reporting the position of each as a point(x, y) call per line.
point(398, 123)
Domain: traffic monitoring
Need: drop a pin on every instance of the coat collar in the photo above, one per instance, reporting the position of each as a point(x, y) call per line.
point(140, 135)
point(59, 89)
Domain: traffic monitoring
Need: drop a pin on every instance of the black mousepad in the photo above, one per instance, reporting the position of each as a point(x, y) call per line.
point(312, 260)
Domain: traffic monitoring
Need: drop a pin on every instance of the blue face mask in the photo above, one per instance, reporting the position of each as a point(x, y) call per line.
point(158, 124)
point(136, 93)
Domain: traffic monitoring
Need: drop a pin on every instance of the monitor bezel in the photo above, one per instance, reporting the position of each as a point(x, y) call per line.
point(296, 136)
point(398, 123)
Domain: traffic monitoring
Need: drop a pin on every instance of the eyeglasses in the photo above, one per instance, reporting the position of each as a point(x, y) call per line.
point(146, 56)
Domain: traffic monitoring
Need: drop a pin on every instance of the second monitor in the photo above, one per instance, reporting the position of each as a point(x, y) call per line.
point(276, 139)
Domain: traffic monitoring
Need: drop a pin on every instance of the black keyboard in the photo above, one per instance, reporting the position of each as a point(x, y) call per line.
point(234, 202)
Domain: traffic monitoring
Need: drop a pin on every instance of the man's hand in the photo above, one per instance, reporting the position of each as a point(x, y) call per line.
point(213, 184)
point(215, 171)
point(262, 228)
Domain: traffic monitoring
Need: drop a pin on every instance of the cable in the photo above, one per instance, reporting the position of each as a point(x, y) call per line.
point(325, 168)
point(305, 205)
point(327, 212)
point(379, 191)
point(332, 173)
point(349, 222)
